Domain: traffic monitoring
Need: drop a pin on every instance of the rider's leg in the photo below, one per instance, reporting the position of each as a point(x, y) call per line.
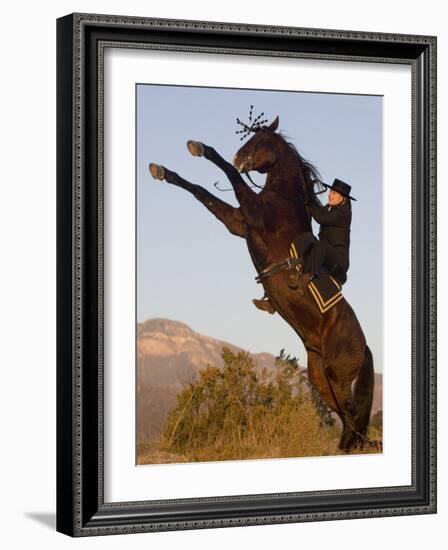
point(320, 255)
point(316, 258)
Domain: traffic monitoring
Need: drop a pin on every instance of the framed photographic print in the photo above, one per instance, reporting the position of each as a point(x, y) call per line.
point(246, 274)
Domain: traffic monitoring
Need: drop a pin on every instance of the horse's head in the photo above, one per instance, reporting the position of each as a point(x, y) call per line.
point(260, 153)
point(267, 150)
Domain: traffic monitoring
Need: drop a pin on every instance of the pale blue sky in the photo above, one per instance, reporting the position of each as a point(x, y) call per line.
point(189, 267)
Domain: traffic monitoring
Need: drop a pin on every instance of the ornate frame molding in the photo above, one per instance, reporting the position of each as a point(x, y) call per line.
point(81, 42)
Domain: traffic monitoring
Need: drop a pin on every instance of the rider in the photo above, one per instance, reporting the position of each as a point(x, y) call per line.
point(331, 250)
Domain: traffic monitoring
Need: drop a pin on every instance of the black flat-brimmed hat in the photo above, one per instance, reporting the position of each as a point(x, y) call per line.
point(342, 188)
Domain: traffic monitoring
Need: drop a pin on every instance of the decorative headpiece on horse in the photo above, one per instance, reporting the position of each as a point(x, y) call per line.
point(254, 126)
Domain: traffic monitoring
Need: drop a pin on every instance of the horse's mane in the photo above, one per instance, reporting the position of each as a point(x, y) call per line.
point(311, 174)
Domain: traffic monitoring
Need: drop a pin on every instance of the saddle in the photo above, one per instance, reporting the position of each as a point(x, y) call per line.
point(325, 289)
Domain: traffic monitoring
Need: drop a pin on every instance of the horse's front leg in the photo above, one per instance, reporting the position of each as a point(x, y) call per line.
point(248, 199)
point(231, 217)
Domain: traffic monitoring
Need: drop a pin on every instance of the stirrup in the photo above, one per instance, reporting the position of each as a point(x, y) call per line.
point(264, 304)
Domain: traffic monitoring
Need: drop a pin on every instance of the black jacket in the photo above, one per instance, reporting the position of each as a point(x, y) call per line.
point(334, 224)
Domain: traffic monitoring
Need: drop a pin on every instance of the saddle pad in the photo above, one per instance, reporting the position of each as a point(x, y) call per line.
point(325, 289)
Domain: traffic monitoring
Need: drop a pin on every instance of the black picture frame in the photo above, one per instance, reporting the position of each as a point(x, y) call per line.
point(81, 510)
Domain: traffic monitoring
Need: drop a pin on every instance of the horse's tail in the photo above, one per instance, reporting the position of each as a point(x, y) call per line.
point(363, 393)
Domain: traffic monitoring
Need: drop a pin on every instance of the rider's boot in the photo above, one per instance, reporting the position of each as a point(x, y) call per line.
point(300, 282)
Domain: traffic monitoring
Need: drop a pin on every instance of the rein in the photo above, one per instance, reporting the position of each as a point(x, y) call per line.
point(263, 187)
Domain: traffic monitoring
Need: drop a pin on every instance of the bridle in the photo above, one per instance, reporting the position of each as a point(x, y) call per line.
point(253, 184)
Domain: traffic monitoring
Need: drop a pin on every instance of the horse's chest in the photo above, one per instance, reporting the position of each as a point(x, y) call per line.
point(266, 249)
point(258, 249)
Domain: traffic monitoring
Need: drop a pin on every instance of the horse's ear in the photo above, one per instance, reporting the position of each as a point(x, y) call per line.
point(274, 124)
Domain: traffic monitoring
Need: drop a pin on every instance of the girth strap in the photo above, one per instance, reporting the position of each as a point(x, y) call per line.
point(276, 268)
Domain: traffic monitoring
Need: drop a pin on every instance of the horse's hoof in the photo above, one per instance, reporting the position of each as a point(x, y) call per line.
point(157, 171)
point(196, 148)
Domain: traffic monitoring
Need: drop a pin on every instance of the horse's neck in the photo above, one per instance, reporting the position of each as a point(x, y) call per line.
point(285, 217)
point(288, 184)
point(287, 177)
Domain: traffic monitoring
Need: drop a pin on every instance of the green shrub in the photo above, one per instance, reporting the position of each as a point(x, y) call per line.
point(239, 412)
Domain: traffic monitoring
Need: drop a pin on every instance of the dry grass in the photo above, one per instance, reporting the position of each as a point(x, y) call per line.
point(237, 414)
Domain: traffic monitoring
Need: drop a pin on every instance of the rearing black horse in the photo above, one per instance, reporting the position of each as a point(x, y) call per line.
point(340, 364)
